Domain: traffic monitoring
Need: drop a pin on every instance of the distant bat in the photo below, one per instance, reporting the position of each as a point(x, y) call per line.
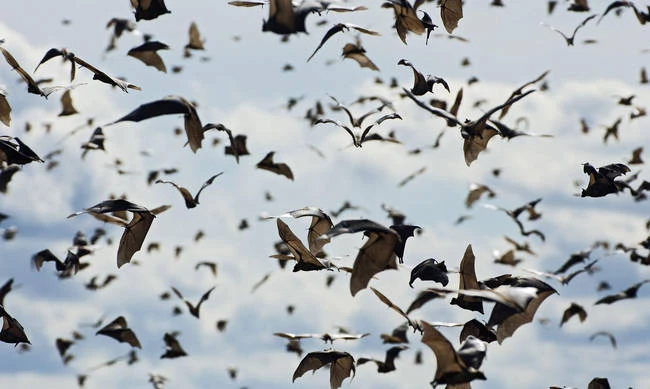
point(422, 298)
point(515, 213)
point(422, 85)
point(5, 109)
point(628, 293)
point(341, 365)
point(569, 40)
point(341, 27)
point(5, 289)
point(475, 193)
point(210, 265)
point(194, 309)
point(356, 52)
point(285, 18)
point(148, 54)
point(67, 108)
point(135, 231)
point(326, 337)
point(173, 348)
point(149, 9)
point(118, 329)
point(169, 106)
point(608, 335)
point(520, 90)
point(280, 168)
point(411, 176)
point(190, 202)
point(195, 42)
point(572, 310)
point(388, 364)
point(235, 148)
point(96, 142)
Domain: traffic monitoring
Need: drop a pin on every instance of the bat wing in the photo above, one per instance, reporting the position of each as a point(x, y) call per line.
point(5, 110)
point(423, 297)
point(12, 331)
point(451, 11)
point(146, 53)
point(375, 256)
point(394, 307)
point(419, 82)
point(342, 365)
point(357, 53)
point(205, 297)
point(478, 330)
point(282, 169)
point(205, 184)
point(404, 231)
point(448, 362)
point(468, 281)
point(133, 236)
point(433, 110)
point(233, 143)
point(32, 87)
point(572, 310)
point(167, 106)
point(195, 41)
point(321, 223)
point(474, 144)
point(430, 270)
point(512, 323)
point(105, 78)
point(330, 33)
point(306, 260)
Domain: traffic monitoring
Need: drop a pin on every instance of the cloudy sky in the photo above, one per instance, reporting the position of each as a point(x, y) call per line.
point(238, 80)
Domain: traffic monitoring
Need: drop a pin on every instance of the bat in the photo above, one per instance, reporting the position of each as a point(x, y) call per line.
point(451, 368)
point(97, 74)
point(422, 298)
point(149, 9)
point(478, 330)
point(602, 180)
point(94, 285)
point(195, 42)
point(376, 255)
point(608, 335)
point(636, 157)
point(12, 331)
point(168, 106)
point(406, 19)
point(246, 3)
point(509, 133)
point(260, 282)
point(565, 279)
point(67, 108)
point(118, 329)
point(628, 293)
point(430, 270)
point(398, 335)
point(341, 27)
point(386, 300)
point(210, 265)
point(514, 215)
point(68, 266)
point(96, 142)
point(306, 260)
point(190, 202)
point(357, 53)
point(148, 54)
point(285, 19)
point(572, 310)
point(173, 348)
point(194, 309)
point(422, 85)
point(570, 39)
point(5, 289)
point(364, 135)
point(612, 130)
point(236, 146)
point(468, 281)
point(341, 365)
point(520, 90)
point(321, 223)
point(280, 168)
point(324, 337)
point(135, 231)
point(508, 258)
point(475, 193)
point(451, 11)
point(388, 364)
point(578, 6)
point(404, 231)
point(62, 346)
point(17, 153)
point(32, 86)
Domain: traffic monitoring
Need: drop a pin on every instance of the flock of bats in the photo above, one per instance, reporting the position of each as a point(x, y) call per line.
point(516, 298)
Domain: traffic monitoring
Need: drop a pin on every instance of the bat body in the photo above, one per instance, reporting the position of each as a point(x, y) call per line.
point(190, 201)
point(430, 270)
point(341, 365)
point(280, 168)
point(194, 309)
point(118, 329)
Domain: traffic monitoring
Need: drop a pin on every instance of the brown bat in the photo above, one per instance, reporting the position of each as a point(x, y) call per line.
point(190, 202)
point(422, 85)
point(67, 108)
point(398, 335)
point(388, 364)
point(149, 9)
point(118, 329)
point(451, 369)
point(148, 54)
point(572, 310)
point(285, 18)
point(32, 86)
point(5, 289)
point(5, 109)
point(168, 106)
point(210, 265)
point(628, 293)
point(451, 11)
point(135, 231)
point(194, 309)
point(195, 42)
point(468, 281)
point(173, 348)
point(341, 27)
point(406, 19)
point(515, 213)
point(602, 180)
point(570, 39)
point(237, 144)
point(280, 168)
point(475, 193)
point(357, 53)
point(422, 298)
point(341, 365)
point(321, 223)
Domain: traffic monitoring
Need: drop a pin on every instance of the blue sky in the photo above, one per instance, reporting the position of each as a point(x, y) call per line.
point(242, 85)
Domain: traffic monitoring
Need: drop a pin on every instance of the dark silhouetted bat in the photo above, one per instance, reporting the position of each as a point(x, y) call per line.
point(173, 348)
point(430, 270)
point(515, 213)
point(194, 309)
point(325, 337)
point(572, 310)
point(168, 106)
point(341, 27)
point(190, 202)
point(599, 383)
point(210, 265)
point(628, 293)
point(508, 258)
point(341, 365)
point(93, 284)
point(451, 11)
point(388, 364)
point(67, 108)
point(96, 142)
point(450, 369)
point(608, 335)
point(236, 146)
point(118, 329)
point(280, 168)
point(406, 19)
point(479, 330)
point(5, 289)
point(68, 266)
point(149, 9)
point(422, 85)
point(147, 53)
point(569, 40)
point(16, 152)
point(285, 18)
point(357, 53)
point(306, 260)
point(602, 181)
point(398, 335)
point(11, 331)
point(135, 231)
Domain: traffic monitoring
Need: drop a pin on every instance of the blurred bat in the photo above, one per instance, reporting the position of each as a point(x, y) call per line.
point(168, 106)
point(5, 289)
point(572, 310)
point(11, 331)
point(280, 168)
point(357, 53)
point(67, 108)
point(195, 42)
point(237, 145)
point(148, 54)
point(514, 215)
point(341, 365)
point(5, 109)
point(173, 348)
point(520, 90)
point(194, 309)
point(210, 265)
point(118, 329)
point(475, 193)
point(32, 86)
point(398, 335)
point(190, 202)
point(411, 176)
point(422, 298)
point(149, 9)
point(388, 364)
point(569, 40)
point(451, 11)
point(326, 337)
point(16, 153)
point(608, 335)
point(477, 329)
point(628, 293)
point(422, 85)
point(341, 27)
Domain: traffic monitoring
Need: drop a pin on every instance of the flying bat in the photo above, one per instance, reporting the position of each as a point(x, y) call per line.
point(479, 330)
point(14, 152)
point(520, 90)
point(173, 348)
point(321, 223)
point(210, 265)
point(572, 310)
point(97, 74)
point(306, 259)
point(96, 142)
point(341, 27)
point(237, 144)
point(422, 85)
point(422, 298)
point(118, 329)
point(398, 335)
point(451, 11)
point(135, 231)
point(149, 9)
point(194, 309)
point(475, 193)
point(285, 18)
point(388, 364)
point(451, 368)
point(168, 106)
point(468, 280)
point(67, 108)
point(602, 180)
point(5, 289)
point(608, 335)
point(12, 331)
point(326, 337)
point(430, 270)
point(357, 53)
point(569, 39)
point(195, 42)
point(32, 86)
point(406, 19)
point(628, 293)
point(515, 213)
point(280, 168)
point(148, 54)
point(341, 365)
point(190, 202)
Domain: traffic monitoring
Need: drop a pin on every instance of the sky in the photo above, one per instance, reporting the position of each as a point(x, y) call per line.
point(238, 80)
